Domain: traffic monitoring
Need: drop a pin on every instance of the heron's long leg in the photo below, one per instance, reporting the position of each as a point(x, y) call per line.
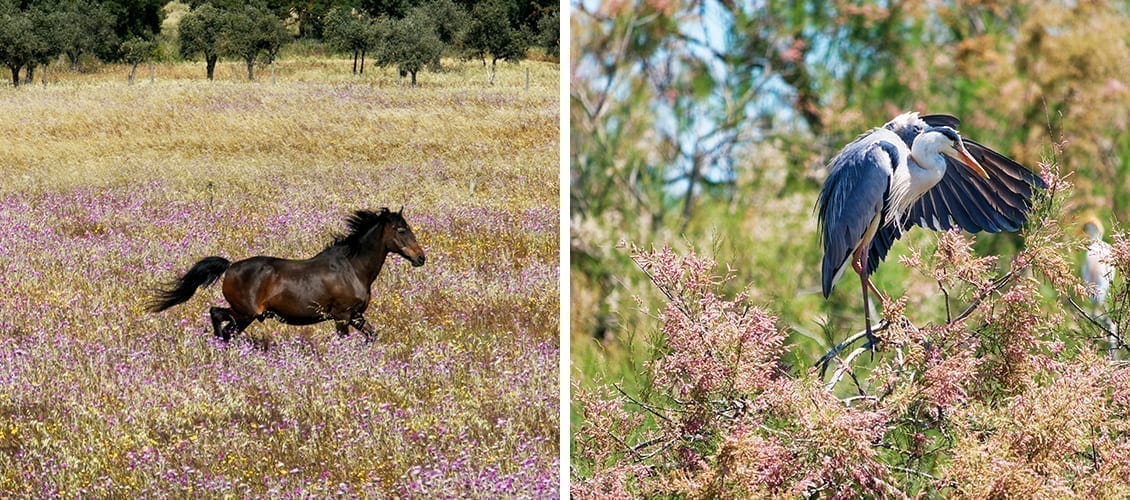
point(860, 265)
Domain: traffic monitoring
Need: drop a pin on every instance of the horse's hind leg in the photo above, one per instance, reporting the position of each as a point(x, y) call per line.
point(235, 325)
point(220, 315)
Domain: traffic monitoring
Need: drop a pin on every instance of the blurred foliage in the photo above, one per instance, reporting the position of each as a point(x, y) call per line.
point(706, 126)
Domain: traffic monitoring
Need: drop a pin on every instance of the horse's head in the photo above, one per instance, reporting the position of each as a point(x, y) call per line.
point(399, 238)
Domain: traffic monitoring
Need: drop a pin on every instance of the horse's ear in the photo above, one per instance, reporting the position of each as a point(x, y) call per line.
point(401, 211)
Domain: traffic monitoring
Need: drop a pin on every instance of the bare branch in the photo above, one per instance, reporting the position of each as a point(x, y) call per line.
point(835, 350)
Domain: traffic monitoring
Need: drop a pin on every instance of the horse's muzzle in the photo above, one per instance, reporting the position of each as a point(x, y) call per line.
point(418, 261)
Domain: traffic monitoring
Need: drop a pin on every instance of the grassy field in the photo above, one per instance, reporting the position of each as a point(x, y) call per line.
point(109, 190)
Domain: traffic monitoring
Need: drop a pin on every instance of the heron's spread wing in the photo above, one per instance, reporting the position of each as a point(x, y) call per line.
point(853, 195)
point(965, 200)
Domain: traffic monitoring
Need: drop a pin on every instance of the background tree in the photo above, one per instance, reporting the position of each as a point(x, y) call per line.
point(133, 18)
point(451, 21)
point(410, 43)
point(492, 33)
point(16, 42)
point(26, 39)
point(395, 9)
point(526, 15)
point(549, 32)
point(135, 51)
point(350, 32)
point(272, 34)
point(48, 27)
point(249, 31)
point(200, 33)
point(86, 27)
point(310, 15)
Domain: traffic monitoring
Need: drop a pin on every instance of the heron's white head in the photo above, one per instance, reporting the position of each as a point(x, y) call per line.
point(947, 141)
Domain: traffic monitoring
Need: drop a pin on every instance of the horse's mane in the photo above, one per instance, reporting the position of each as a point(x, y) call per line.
point(359, 224)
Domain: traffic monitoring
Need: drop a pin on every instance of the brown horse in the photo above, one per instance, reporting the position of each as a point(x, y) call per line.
point(333, 285)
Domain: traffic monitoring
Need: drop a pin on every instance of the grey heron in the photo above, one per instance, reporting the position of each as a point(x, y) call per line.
point(1098, 273)
point(914, 170)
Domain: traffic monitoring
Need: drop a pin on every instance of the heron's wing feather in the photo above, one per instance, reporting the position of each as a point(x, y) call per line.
point(854, 194)
point(999, 203)
point(885, 237)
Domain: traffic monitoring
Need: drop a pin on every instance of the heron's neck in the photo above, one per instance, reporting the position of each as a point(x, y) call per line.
point(927, 166)
point(923, 170)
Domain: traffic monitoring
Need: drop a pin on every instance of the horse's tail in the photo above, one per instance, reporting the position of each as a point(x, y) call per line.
point(204, 273)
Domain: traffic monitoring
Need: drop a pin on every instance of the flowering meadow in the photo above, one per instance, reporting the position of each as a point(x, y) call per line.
point(108, 191)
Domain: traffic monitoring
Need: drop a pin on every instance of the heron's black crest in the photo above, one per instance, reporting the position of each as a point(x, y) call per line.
point(950, 133)
point(359, 224)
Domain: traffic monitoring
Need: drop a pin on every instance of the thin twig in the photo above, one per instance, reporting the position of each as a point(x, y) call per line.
point(998, 284)
point(946, 294)
point(845, 366)
point(645, 444)
point(1093, 321)
point(656, 452)
point(851, 399)
point(641, 404)
point(916, 472)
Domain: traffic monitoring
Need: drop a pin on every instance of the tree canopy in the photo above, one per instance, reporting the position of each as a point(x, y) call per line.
point(200, 33)
point(249, 31)
point(410, 43)
point(492, 33)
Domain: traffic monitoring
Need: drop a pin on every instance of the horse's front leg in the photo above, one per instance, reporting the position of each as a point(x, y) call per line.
point(364, 327)
point(342, 328)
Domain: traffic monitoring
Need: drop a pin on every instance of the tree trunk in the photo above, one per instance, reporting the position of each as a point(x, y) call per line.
point(413, 72)
point(30, 76)
point(210, 64)
point(15, 75)
point(362, 61)
point(493, 64)
point(133, 71)
point(152, 76)
point(354, 62)
point(250, 68)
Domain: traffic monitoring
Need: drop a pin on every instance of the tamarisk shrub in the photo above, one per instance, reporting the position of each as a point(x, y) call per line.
point(1010, 394)
point(722, 418)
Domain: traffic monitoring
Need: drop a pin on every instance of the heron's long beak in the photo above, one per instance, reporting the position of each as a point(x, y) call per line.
point(961, 154)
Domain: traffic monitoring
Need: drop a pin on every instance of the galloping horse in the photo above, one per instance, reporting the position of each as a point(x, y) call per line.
point(333, 285)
